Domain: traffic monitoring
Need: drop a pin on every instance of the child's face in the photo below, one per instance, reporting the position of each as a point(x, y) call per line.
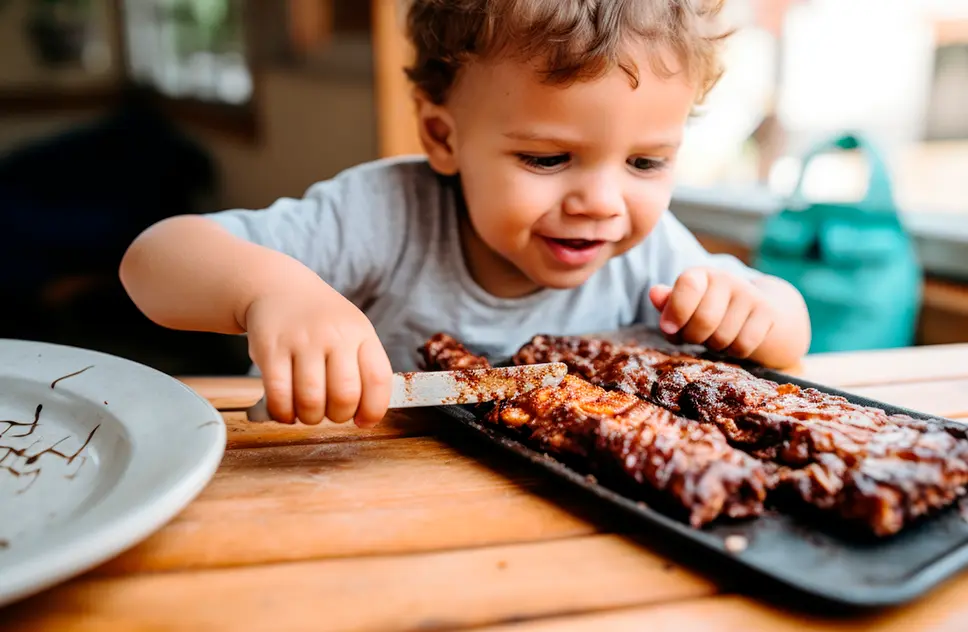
point(557, 180)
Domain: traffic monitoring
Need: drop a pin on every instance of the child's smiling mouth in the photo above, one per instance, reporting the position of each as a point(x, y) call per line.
point(574, 252)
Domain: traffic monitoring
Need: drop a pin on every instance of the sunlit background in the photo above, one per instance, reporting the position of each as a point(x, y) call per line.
point(115, 113)
point(896, 70)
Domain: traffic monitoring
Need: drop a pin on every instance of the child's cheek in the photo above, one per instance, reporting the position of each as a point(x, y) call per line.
point(525, 200)
point(647, 207)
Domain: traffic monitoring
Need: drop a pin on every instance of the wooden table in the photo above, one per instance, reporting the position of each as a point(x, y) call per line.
point(408, 527)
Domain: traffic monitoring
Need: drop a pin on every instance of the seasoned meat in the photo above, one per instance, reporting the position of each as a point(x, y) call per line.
point(443, 353)
point(898, 475)
point(690, 464)
point(859, 462)
point(626, 367)
point(582, 355)
point(618, 434)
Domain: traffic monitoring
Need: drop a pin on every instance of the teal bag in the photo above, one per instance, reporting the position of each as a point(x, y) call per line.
point(854, 263)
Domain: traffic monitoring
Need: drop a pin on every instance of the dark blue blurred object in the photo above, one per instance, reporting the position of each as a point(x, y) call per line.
point(69, 207)
point(72, 203)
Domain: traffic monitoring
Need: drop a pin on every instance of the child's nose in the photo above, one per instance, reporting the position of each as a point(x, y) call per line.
point(598, 197)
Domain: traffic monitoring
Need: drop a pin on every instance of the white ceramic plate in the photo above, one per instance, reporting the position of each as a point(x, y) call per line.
point(117, 451)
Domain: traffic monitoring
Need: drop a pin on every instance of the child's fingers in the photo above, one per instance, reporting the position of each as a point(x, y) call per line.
point(659, 295)
point(276, 368)
point(755, 330)
point(683, 301)
point(377, 380)
point(309, 383)
point(342, 384)
point(708, 315)
point(732, 323)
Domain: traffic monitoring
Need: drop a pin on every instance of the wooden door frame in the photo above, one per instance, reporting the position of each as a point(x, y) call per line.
point(396, 119)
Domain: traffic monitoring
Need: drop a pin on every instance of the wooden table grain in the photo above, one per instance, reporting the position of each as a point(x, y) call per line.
point(409, 527)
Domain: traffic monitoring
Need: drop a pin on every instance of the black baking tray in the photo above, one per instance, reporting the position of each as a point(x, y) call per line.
point(805, 553)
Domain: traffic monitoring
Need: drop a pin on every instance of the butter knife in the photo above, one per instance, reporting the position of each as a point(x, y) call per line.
point(448, 388)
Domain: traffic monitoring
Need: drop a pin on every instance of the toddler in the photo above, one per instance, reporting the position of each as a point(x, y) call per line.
point(550, 130)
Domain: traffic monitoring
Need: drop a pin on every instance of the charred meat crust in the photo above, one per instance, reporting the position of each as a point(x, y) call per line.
point(691, 465)
point(873, 469)
point(444, 353)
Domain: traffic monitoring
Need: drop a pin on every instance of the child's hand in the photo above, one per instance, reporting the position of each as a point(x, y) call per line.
point(716, 309)
point(319, 356)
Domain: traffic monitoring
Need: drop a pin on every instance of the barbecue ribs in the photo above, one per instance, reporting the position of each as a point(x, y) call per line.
point(619, 435)
point(880, 470)
point(444, 353)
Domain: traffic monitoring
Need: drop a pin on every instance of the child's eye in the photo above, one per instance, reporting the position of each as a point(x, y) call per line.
point(544, 162)
point(646, 164)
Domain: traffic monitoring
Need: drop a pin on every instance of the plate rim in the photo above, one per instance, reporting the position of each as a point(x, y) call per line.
point(126, 523)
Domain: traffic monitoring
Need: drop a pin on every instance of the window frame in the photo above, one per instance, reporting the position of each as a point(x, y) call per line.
point(238, 121)
point(737, 214)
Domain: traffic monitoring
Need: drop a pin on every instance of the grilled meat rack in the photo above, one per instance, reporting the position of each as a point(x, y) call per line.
point(804, 553)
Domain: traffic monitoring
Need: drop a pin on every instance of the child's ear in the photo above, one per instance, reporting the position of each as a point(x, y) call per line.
point(437, 135)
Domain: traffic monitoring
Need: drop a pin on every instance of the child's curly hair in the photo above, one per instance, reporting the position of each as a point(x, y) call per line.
point(572, 39)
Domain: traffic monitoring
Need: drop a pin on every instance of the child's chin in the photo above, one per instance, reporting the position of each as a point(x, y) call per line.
point(563, 280)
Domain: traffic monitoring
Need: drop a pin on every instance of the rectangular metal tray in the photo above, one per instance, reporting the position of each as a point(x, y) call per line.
point(809, 555)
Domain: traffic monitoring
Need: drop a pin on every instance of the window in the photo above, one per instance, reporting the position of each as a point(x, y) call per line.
point(189, 49)
point(894, 70)
point(202, 56)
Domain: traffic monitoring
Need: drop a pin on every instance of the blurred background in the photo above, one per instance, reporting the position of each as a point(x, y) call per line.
point(117, 113)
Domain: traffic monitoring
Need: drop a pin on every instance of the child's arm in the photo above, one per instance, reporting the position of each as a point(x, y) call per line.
point(317, 352)
point(764, 320)
point(189, 273)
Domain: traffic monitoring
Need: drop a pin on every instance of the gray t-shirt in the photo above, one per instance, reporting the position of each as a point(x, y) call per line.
point(385, 235)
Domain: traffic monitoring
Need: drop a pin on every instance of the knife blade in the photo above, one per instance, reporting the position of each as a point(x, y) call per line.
point(448, 388)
